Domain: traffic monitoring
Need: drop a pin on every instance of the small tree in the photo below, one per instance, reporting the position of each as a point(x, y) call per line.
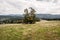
point(29, 17)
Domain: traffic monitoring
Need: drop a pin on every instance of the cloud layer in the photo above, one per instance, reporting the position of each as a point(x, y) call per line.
point(18, 6)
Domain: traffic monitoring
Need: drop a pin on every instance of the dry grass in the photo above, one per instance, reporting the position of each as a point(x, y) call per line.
point(44, 30)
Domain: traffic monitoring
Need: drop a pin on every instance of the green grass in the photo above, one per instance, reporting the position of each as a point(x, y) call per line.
point(44, 30)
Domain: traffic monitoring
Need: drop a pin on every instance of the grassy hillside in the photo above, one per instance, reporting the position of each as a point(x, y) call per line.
point(44, 30)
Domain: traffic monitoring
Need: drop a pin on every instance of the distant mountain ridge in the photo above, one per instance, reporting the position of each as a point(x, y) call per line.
point(18, 16)
point(48, 16)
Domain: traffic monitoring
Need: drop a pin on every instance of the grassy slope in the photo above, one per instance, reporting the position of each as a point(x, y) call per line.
point(43, 30)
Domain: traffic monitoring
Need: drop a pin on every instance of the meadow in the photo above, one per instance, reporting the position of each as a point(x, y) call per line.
point(43, 30)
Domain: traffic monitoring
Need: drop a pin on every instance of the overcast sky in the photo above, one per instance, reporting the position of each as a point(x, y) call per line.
point(18, 6)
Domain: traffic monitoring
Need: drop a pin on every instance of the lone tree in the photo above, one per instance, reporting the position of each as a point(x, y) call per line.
point(29, 18)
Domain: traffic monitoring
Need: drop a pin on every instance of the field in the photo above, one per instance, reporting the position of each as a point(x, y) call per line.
point(44, 30)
